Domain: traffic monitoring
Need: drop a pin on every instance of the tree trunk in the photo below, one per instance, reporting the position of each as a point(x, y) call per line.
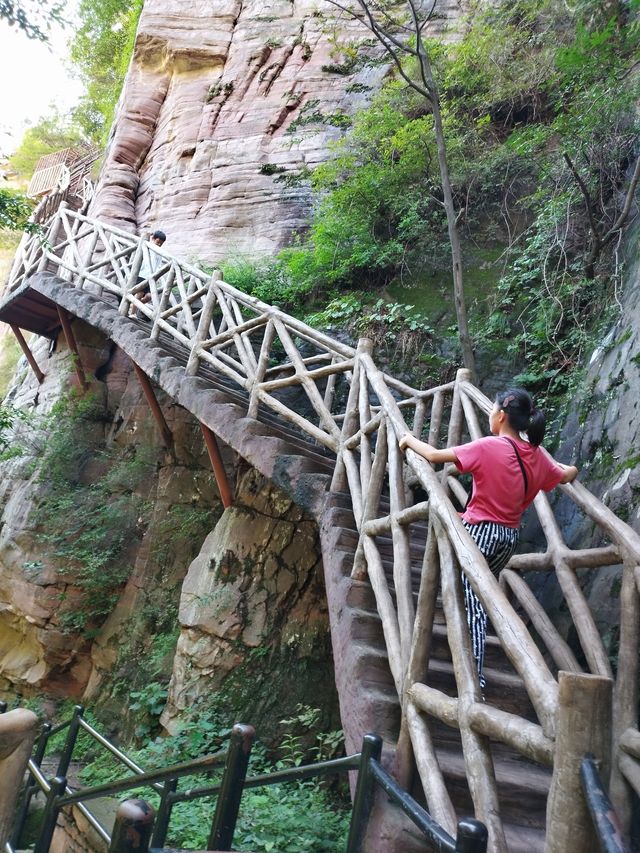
point(454, 238)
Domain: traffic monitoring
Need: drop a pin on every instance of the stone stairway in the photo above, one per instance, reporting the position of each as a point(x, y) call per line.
point(523, 785)
point(303, 468)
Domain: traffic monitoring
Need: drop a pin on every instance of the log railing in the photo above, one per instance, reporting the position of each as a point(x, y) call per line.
point(18, 729)
point(347, 405)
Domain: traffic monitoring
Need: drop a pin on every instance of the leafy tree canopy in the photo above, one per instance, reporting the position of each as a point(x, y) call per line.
point(15, 209)
point(33, 17)
point(100, 53)
point(51, 133)
point(528, 83)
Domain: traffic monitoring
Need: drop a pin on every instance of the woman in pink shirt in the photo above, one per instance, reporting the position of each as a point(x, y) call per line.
point(508, 472)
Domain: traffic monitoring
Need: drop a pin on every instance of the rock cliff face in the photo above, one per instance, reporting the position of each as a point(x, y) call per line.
point(603, 429)
point(253, 597)
point(253, 611)
point(225, 107)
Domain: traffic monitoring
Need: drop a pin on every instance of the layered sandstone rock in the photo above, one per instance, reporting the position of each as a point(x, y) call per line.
point(254, 595)
point(39, 649)
point(253, 605)
point(225, 107)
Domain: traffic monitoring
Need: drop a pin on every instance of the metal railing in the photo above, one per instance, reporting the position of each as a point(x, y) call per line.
point(138, 818)
point(605, 821)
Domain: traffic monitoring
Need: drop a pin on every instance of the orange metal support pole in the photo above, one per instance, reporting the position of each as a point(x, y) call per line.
point(24, 346)
point(156, 411)
point(73, 346)
point(217, 465)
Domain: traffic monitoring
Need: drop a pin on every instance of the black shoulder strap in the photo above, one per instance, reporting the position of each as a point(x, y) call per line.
point(524, 473)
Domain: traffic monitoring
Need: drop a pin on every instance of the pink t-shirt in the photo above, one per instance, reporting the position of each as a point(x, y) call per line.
point(498, 485)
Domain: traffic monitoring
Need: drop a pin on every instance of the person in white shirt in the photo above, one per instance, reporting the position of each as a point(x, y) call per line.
point(150, 264)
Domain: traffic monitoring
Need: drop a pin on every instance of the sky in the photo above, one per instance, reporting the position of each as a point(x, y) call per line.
point(32, 76)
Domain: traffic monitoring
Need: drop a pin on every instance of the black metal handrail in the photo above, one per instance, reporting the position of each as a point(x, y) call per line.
point(603, 815)
point(59, 795)
point(137, 819)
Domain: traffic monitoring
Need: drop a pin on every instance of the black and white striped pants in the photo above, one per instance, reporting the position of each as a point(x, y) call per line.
point(497, 543)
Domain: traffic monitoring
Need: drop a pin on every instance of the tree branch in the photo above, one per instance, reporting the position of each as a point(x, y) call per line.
point(624, 213)
point(585, 192)
point(388, 42)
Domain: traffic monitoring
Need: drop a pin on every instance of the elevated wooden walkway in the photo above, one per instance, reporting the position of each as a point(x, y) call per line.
point(403, 661)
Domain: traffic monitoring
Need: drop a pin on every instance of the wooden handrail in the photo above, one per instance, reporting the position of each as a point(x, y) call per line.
point(264, 351)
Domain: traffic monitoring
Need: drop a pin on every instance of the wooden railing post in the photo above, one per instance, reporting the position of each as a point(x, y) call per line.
point(583, 726)
point(351, 416)
point(210, 302)
point(132, 279)
point(17, 733)
point(52, 235)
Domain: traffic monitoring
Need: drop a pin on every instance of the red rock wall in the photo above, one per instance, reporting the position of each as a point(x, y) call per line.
point(210, 101)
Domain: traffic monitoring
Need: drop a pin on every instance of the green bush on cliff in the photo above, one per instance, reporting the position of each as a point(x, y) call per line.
point(88, 518)
point(526, 84)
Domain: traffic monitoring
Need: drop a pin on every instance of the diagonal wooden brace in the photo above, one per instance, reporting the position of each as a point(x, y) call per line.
point(65, 322)
point(156, 411)
point(24, 346)
point(218, 466)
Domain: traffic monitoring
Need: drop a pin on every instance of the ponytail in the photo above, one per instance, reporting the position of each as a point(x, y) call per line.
point(522, 415)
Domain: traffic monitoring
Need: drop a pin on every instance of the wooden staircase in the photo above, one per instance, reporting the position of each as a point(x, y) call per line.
point(522, 785)
point(321, 421)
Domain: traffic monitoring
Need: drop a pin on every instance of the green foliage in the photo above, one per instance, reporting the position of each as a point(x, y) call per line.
point(376, 212)
point(380, 320)
point(34, 19)
point(101, 50)
point(87, 524)
point(300, 817)
point(10, 352)
point(51, 133)
point(16, 425)
point(15, 210)
point(148, 703)
point(270, 280)
point(528, 82)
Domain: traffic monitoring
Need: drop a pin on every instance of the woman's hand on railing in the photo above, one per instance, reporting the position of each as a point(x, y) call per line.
point(427, 451)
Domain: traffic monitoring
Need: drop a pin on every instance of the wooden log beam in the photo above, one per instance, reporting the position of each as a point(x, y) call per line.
point(24, 346)
point(65, 322)
point(549, 634)
point(218, 466)
point(413, 729)
point(202, 331)
point(372, 499)
point(527, 738)
point(156, 410)
point(476, 748)
point(630, 742)
point(583, 726)
point(582, 558)
point(435, 420)
point(438, 799)
point(630, 769)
